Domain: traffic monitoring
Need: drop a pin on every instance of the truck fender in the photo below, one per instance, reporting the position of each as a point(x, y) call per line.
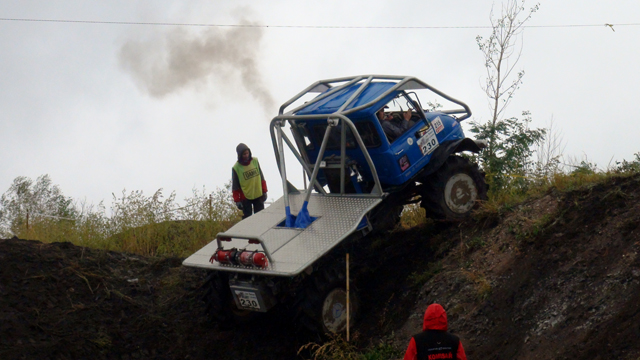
point(467, 144)
point(445, 149)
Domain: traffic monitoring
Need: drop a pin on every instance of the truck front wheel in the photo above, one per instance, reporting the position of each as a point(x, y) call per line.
point(454, 190)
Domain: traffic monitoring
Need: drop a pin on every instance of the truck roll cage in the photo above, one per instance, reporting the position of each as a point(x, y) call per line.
point(339, 117)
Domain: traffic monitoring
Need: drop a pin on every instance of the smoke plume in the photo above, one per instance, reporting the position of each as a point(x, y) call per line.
point(180, 59)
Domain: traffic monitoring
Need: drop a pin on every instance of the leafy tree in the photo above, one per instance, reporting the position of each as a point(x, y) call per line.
point(510, 159)
point(28, 202)
point(510, 141)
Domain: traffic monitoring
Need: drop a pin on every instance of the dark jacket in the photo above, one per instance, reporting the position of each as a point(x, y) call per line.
point(394, 128)
point(434, 330)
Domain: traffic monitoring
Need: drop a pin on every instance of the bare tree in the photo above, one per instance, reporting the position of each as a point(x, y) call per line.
point(498, 50)
point(549, 153)
point(509, 140)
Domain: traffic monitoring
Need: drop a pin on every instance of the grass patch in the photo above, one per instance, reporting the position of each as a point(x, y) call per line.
point(476, 243)
point(337, 348)
point(417, 279)
point(482, 286)
point(412, 215)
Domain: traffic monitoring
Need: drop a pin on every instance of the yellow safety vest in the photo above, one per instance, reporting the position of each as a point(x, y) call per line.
point(249, 178)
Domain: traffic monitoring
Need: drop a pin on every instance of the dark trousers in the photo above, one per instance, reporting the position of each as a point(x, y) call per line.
point(250, 207)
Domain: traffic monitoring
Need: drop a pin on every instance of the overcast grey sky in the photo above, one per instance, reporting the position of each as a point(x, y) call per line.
point(104, 107)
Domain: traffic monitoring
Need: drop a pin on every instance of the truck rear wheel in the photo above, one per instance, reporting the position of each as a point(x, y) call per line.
point(454, 190)
point(219, 302)
point(322, 304)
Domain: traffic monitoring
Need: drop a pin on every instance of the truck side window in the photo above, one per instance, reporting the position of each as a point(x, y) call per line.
point(366, 130)
point(368, 133)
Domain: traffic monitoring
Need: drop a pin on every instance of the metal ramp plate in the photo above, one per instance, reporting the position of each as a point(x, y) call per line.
point(292, 250)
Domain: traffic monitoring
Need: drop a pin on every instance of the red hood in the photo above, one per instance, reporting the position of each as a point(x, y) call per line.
point(435, 318)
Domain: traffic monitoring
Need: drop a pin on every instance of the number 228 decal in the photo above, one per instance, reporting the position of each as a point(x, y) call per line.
point(429, 142)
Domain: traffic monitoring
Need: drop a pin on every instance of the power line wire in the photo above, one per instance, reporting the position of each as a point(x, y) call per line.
point(297, 26)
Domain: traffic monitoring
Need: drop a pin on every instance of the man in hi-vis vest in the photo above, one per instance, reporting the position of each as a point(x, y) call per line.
point(248, 184)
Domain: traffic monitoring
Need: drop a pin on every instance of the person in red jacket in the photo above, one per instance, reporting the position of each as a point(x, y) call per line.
point(248, 185)
point(434, 342)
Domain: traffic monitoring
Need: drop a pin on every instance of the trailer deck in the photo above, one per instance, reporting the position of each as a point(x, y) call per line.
point(291, 250)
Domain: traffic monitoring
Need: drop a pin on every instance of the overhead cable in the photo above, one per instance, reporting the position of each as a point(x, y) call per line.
point(297, 26)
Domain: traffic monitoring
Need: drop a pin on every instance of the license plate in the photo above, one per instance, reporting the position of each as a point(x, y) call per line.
point(248, 299)
point(428, 142)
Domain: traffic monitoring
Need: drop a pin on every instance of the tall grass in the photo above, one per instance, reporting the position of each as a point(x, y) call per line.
point(147, 225)
point(158, 226)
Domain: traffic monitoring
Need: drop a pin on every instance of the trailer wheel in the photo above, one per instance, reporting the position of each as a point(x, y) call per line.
point(220, 306)
point(454, 190)
point(322, 304)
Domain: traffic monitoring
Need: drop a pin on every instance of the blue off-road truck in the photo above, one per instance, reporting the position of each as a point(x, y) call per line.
point(361, 172)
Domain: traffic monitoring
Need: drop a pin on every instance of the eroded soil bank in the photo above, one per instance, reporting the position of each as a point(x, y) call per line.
point(557, 277)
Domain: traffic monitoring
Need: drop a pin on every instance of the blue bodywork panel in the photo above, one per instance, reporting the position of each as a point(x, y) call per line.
point(332, 103)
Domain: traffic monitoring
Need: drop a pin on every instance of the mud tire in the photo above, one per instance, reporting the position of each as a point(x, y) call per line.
point(321, 304)
point(220, 306)
point(454, 190)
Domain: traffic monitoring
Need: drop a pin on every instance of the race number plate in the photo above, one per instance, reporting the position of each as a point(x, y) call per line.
point(428, 142)
point(248, 299)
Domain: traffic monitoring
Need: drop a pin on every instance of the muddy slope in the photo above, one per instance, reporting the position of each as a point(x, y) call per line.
point(59, 301)
point(556, 277)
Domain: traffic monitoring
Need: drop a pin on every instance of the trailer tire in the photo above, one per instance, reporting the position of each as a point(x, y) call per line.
point(321, 305)
point(219, 303)
point(452, 192)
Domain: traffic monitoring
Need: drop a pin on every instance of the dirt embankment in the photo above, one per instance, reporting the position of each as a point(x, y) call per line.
point(556, 277)
point(59, 301)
